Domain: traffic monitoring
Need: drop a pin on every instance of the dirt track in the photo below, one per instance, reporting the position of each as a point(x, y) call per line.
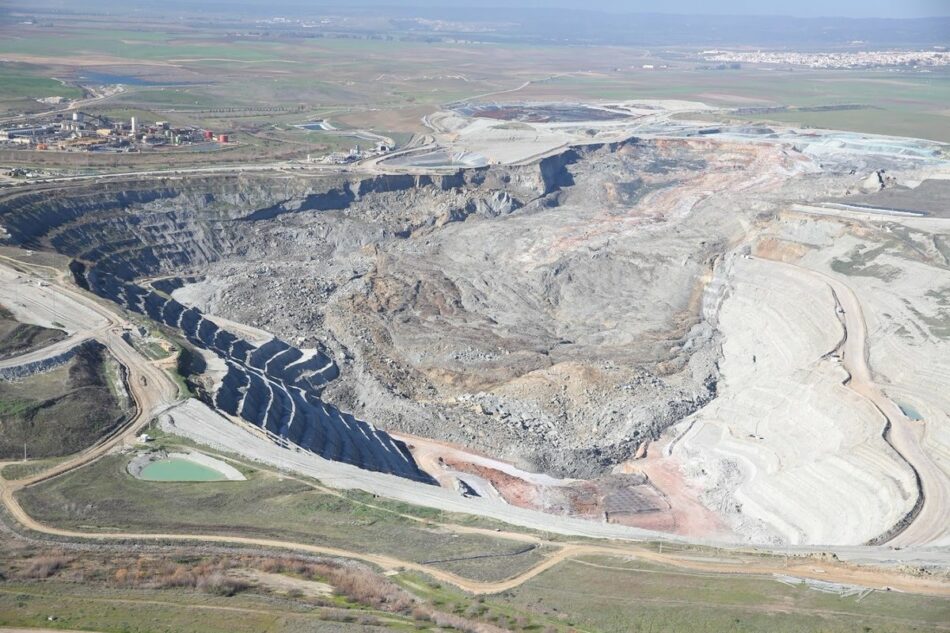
point(904, 435)
point(151, 388)
point(829, 571)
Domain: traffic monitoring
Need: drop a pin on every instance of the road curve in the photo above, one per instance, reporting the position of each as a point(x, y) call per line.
point(928, 521)
point(152, 389)
point(42, 353)
point(933, 517)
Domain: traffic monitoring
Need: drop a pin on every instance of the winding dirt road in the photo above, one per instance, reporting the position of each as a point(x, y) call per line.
point(928, 520)
point(933, 516)
point(152, 389)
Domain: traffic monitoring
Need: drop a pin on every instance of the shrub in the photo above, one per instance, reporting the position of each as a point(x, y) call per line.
point(220, 585)
point(45, 566)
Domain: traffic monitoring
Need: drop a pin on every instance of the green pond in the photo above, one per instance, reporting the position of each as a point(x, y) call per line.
point(177, 469)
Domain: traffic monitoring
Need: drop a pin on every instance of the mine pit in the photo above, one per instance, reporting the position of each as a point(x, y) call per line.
point(517, 333)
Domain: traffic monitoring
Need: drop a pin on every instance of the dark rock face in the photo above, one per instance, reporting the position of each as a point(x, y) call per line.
point(272, 386)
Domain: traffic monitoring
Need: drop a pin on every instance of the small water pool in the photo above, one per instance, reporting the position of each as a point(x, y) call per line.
point(316, 126)
point(910, 412)
point(178, 469)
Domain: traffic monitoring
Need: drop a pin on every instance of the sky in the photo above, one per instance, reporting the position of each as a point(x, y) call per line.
point(795, 8)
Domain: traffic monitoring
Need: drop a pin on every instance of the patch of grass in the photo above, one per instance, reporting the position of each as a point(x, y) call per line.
point(29, 468)
point(890, 121)
point(905, 105)
point(860, 262)
point(107, 609)
point(432, 514)
point(854, 268)
point(493, 567)
point(607, 594)
point(24, 82)
point(154, 345)
point(493, 609)
point(14, 407)
point(103, 495)
point(165, 97)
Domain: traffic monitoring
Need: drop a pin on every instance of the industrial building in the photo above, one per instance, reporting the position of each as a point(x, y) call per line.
point(80, 131)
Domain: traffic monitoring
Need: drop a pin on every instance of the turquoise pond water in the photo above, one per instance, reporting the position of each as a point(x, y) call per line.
point(910, 412)
point(176, 469)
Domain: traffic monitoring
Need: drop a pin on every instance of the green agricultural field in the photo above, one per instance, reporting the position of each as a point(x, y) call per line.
point(902, 105)
point(18, 84)
point(889, 121)
point(126, 46)
point(190, 97)
point(104, 497)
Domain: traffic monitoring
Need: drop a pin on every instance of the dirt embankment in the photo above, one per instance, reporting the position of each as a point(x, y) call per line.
point(18, 338)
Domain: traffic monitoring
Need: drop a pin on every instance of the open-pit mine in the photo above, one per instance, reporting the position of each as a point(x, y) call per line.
point(596, 319)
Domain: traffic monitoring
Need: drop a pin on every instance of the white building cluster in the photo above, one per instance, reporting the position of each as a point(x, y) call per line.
point(859, 59)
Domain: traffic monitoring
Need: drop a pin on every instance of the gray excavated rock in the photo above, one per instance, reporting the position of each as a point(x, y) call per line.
point(548, 314)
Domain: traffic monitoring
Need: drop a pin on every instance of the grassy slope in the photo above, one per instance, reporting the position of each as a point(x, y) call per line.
point(107, 609)
point(645, 597)
point(618, 596)
point(104, 496)
point(58, 412)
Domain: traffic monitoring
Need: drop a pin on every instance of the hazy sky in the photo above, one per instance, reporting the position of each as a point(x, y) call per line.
point(799, 8)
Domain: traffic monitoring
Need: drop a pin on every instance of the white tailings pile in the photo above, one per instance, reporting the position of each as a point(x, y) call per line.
point(787, 453)
point(909, 354)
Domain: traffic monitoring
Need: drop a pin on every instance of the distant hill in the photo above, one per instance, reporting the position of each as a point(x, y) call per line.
point(553, 25)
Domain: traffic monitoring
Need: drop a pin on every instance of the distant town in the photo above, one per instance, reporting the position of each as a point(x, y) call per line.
point(81, 132)
point(845, 60)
